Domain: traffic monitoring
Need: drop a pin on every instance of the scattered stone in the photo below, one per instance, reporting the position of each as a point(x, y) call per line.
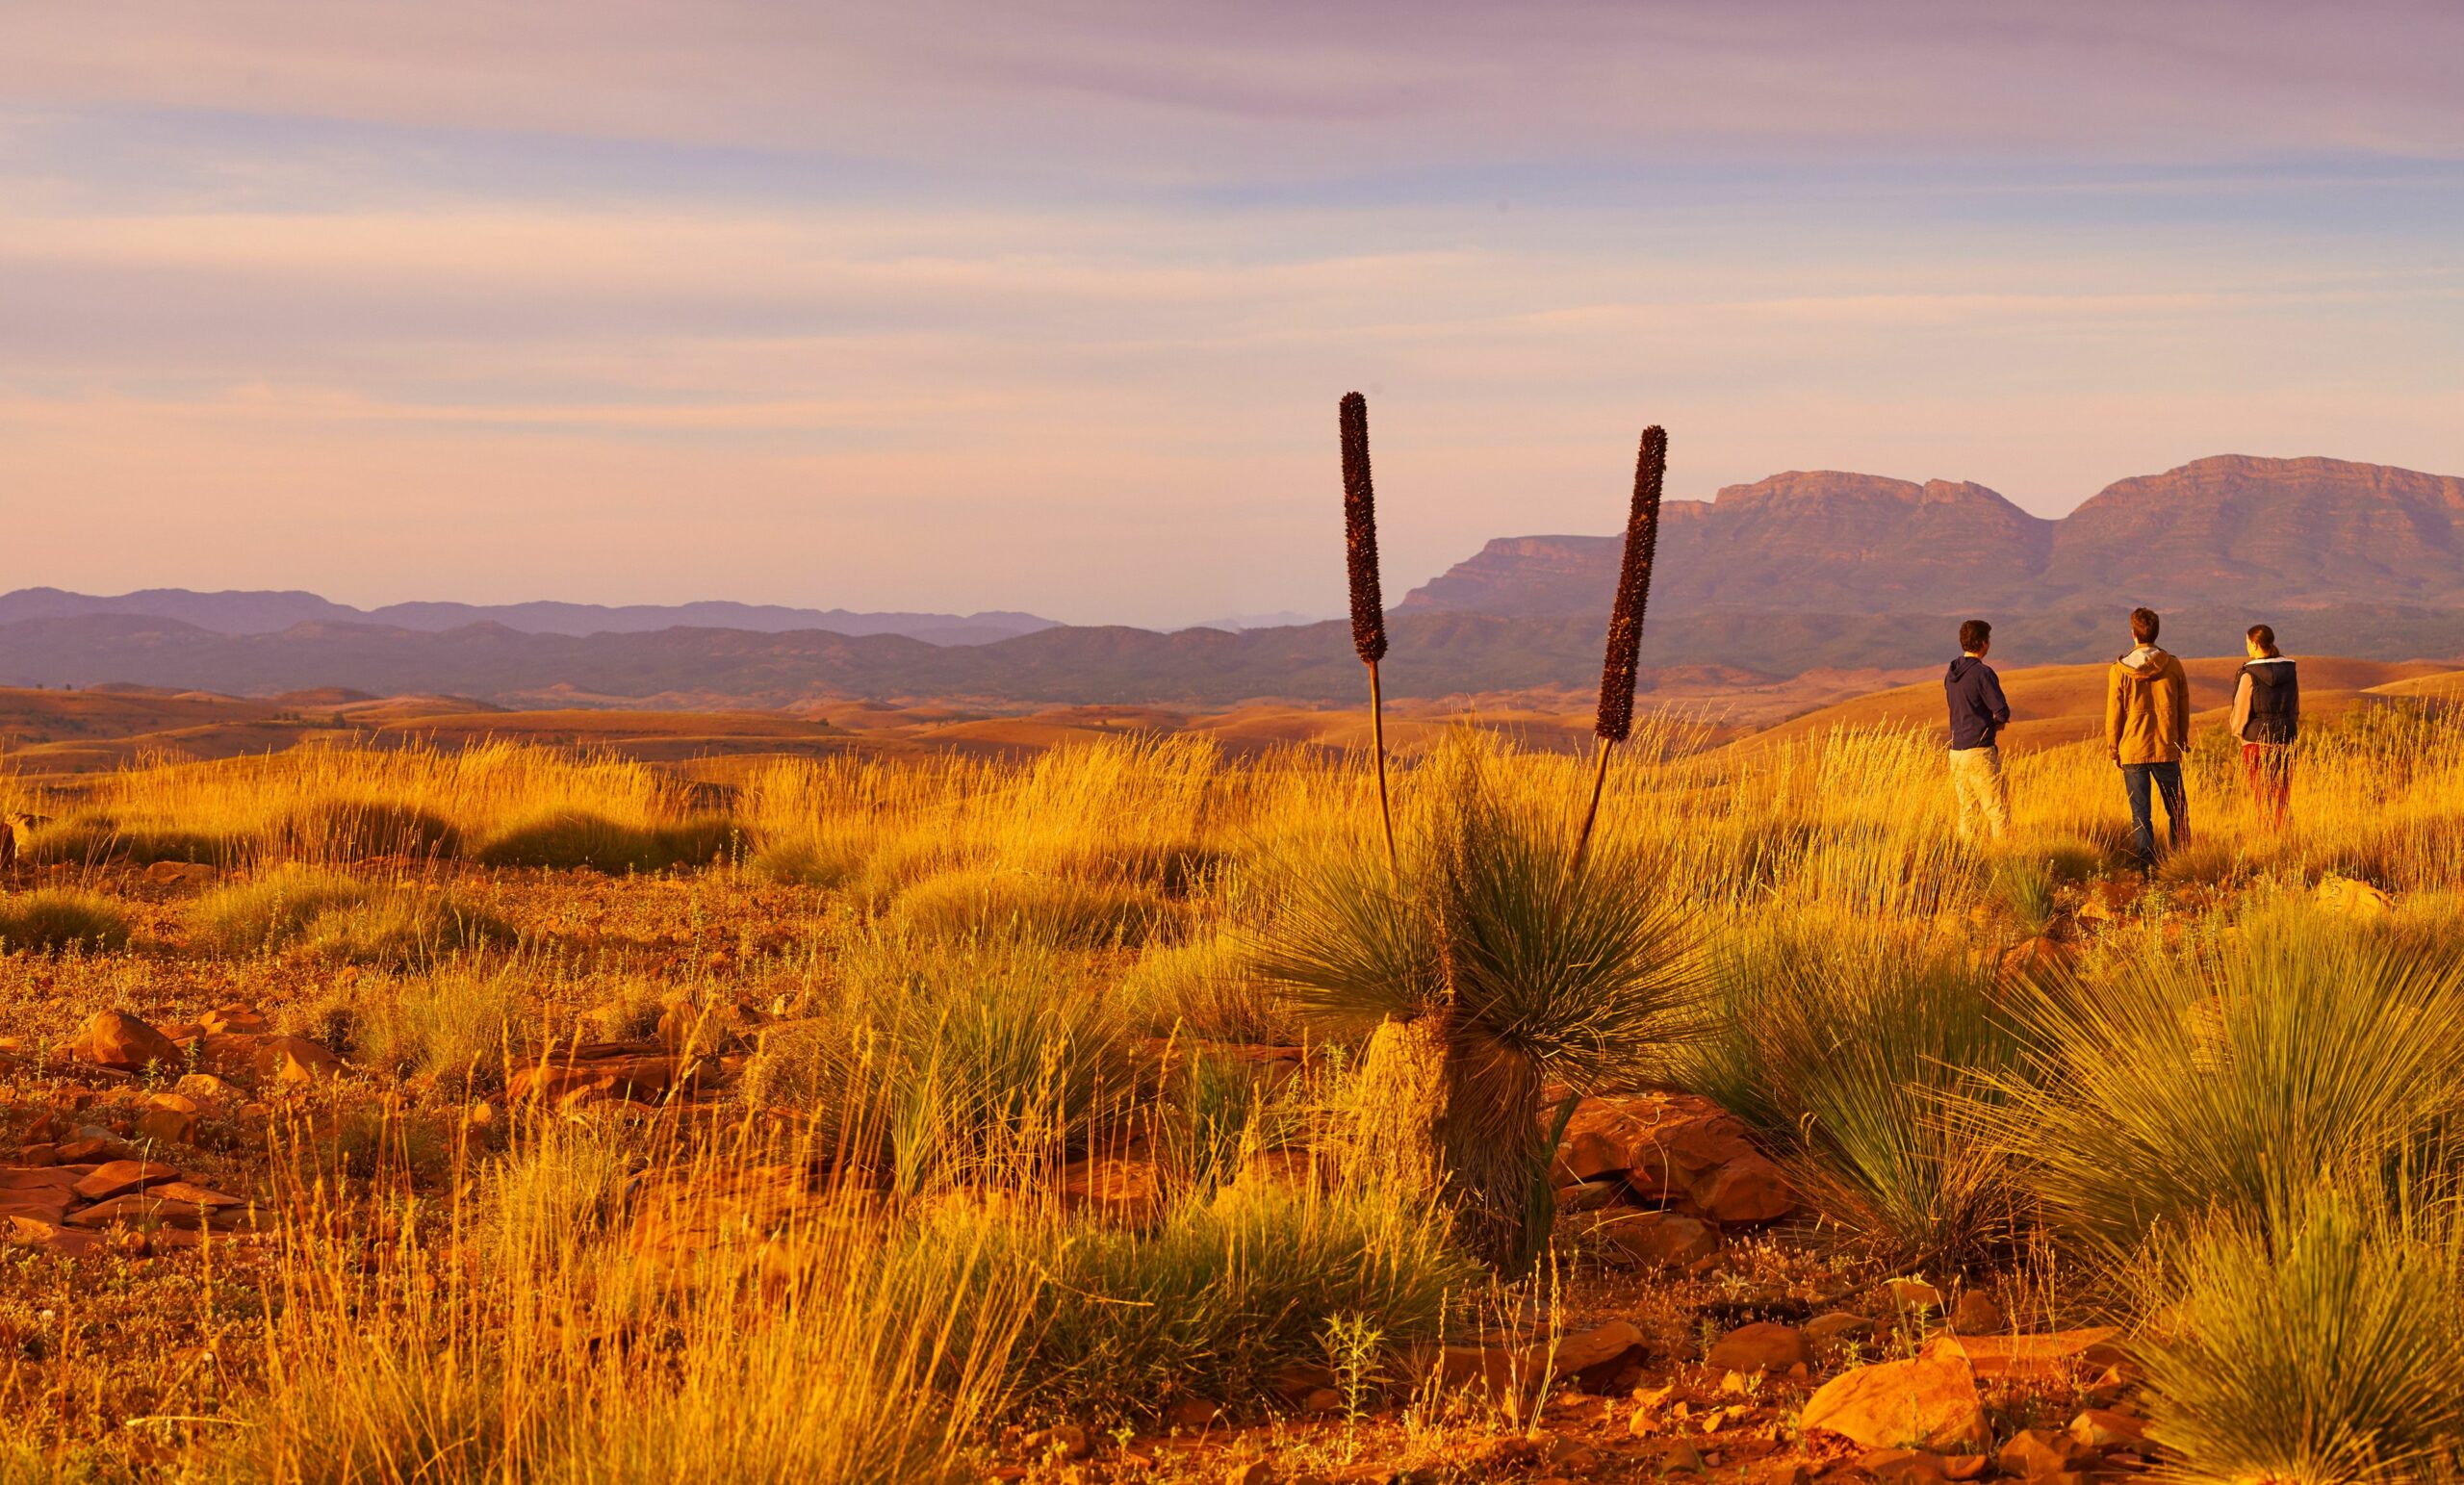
point(1977, 1315)
point(49, 1237)
point(92, 1146)
point(1782, 1472)
point(294, 1059)
point(123, 1044)
point(167, 1126)
point(1292, 1380)
point(2033, 1453)
point(1746, 1190)
point(1657, 1240)
point(204, 1090)
point(2356, 899)
point(1127, 1191)
point(38, 1155)
point(235, 1020)
point(1903, 1466)
point(1064, 1441)
point(120, 1177)
point(1252, 1473)
point(1322, 1402)
point(1590, 1357)
point(1929, 1402)
point(1191, 1415)
point(2106, 1428)
point(1763, 1347)
point(1839, 1326)
point(1914, 1294)
point(2054, 1356)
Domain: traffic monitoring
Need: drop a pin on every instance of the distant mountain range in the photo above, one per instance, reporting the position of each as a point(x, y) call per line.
point(1797, 573)
point(270, 613)
point(2226, 531)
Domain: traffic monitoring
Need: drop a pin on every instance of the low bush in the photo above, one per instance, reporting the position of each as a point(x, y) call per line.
point(565, 839)
point(344, 830)
point(1207, 988)
point(1219, 1297)
point(951, 1066)
point(455, 1022)
point(808, 860)
point(2316, 1342)
point(342, 919)
point(93, 839)
point(1861, 1056)
point(1058, 911)
point(2232, 1075)
point(50, 919)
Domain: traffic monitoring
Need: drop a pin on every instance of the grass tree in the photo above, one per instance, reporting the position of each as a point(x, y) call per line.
point(1492, 974)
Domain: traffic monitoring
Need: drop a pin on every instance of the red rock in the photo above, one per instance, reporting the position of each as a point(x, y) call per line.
point(140, 1208)
point(167, 1126)
point(2105, 1428)
point(1746, 1190)
point(2053, 1356)
point(1840, 1327)
point(1763, 1347)
point(49, 1237)
point(1657, 1239)
point(235, 1020)
point(1930, 1403)
point(1128, 1191)
point(294, 1059)
point(2033, 1453)
point(38, 1155)
point(119, 1177)
point(123, 1044)
point(92, 1148)
point(1903, 1466)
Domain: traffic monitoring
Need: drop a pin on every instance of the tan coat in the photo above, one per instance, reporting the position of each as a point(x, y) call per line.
point(2148, 707)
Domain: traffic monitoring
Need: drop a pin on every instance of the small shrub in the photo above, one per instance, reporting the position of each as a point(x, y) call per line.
point(1216, 1300)
point(808, 860)
point(2317, 1343)
point(355, 830)
point(2232, 1076)
point(55, 919)
point(92, 839)
point(946, 1066)
point(342, 919)
point(1057, 911)
point(453, 1022)
point(1208, 988)
point(2025, 888)
point(1859, 1056)
point(564, 839)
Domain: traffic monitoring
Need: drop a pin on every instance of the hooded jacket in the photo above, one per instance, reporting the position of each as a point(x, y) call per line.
point(2267, 701)
point(2148, 707)
point(1978, 710)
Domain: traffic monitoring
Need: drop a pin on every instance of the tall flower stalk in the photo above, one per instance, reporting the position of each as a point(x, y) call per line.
point(1614, 722)
point(1368, 605)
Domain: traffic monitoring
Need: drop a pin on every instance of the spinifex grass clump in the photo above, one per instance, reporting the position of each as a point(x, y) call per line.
point(2314, 1343)
point(55, 919)
point(2231, 1077)
point(1859, 1057)
point(1489, 973)
point(1367, 603)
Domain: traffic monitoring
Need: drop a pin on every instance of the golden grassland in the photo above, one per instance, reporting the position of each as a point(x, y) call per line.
point(931, 1006)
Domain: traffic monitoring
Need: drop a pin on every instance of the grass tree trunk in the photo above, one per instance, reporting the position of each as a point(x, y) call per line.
point(1442, 1109)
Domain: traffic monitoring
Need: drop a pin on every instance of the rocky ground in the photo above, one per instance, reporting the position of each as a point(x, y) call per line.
point(1701, 1324)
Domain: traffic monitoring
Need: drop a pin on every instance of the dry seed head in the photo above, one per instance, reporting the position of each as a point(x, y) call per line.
point(1360, 532)
point(1615, 720)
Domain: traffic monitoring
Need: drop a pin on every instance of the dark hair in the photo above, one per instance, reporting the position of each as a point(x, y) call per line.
point(2265, 636)
point(1973, 634)
point(2143, 625)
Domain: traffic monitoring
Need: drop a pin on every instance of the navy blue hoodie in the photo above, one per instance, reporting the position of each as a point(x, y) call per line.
point(1978, 710)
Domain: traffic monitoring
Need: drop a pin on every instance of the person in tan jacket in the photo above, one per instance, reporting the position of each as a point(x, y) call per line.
point(2148, 724)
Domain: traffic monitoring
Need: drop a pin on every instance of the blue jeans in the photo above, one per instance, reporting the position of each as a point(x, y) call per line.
point(2167, 779)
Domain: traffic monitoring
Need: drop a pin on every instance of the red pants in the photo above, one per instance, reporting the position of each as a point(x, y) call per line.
point(2270, 771)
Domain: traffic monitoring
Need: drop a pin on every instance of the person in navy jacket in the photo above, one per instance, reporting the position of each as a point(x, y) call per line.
point(1978, 715)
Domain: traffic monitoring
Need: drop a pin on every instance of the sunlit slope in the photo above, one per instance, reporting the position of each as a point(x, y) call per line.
point(2053, 705)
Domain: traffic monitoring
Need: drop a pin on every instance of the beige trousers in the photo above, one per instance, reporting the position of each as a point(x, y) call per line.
point(1983, 796)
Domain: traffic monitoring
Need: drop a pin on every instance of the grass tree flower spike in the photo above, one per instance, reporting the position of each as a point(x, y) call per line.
point(1614, 721)
point(1367, 605)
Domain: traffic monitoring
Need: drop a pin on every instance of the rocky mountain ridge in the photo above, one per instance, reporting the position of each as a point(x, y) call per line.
point(2232, 530)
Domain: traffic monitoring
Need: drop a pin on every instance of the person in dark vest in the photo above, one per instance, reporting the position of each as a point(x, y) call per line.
point(2267, 718)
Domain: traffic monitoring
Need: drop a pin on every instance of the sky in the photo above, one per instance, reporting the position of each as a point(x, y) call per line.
point(1047, 306)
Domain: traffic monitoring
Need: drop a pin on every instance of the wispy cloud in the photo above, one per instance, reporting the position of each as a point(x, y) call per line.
point(1046, 306)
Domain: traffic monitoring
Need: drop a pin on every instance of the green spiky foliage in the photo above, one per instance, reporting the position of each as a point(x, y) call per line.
point(1509, 971)
point(1860, 1060)
point(2313, 1344)
point(2230, 1076)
